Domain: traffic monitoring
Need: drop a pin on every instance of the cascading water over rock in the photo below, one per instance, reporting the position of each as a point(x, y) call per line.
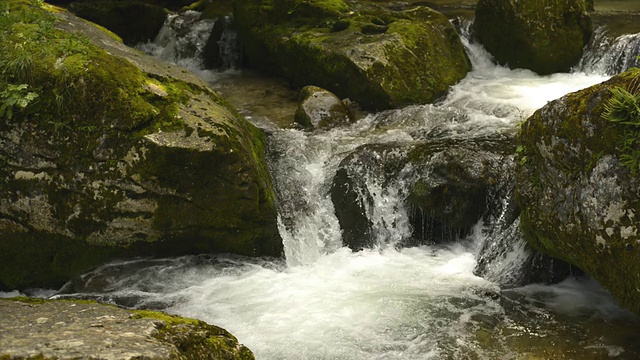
point(609, 56)
point(429, 192)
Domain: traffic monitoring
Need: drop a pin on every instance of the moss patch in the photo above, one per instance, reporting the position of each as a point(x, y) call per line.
point(196, 339)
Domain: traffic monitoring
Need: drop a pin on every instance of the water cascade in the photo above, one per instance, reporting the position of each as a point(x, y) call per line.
point(391, 300)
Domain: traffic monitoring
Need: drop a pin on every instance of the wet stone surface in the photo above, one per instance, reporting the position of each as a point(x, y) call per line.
point(66, 330)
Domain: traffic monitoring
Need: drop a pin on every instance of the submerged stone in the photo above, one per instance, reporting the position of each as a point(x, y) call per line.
point(369, 54)
point(538, 35)
point(578, 190)
point(119, 160)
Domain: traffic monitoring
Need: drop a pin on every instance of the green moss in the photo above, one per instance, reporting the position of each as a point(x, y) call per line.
point(111, 34)
point(195, 339)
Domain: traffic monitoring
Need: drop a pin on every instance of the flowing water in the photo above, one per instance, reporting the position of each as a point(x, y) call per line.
point(324, 301)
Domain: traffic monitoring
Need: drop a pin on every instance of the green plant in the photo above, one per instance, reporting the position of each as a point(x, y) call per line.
point(623, 108)
point(521, 152)
point(15, 96)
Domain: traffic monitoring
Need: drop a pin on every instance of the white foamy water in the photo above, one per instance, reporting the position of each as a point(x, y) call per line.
point(326, 302)
point(371, 304)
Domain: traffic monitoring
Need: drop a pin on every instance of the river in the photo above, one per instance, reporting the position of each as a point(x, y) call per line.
point(324, 301)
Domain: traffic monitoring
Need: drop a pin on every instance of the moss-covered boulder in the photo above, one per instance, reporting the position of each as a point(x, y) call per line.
point(103, 158)
point(579, 189)
point(320, 109)
point(65, 330)
point(133, 21)
point(544, 36)
point(369, 54)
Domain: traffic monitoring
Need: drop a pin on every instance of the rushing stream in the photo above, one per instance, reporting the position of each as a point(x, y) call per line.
point(387, 302)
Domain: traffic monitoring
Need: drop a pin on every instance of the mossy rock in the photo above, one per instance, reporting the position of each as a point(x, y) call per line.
point(113, 159)
point(133, 21)
point(320, 109)
point(579, 202)
point(369, 54)
point(76, 329)
point(546, 36)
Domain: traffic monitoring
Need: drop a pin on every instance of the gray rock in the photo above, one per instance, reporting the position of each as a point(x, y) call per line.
point(65, 330)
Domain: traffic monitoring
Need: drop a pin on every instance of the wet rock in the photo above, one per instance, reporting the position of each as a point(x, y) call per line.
point(320, 109)
point(361, 181)
point(580, 202)
point(31, 328)
point(120, 160)
point(133, 21)
point(532, 34)
point(446, 185)
point(457, 181)
point(369, 54)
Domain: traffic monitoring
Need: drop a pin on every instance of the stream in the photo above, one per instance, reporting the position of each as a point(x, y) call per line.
point(388, 301)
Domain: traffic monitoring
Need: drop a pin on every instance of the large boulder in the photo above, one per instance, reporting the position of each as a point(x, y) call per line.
point(534, 34)
point(65, 330)
point(105, 158)
point(579, 189)
point(369, 54)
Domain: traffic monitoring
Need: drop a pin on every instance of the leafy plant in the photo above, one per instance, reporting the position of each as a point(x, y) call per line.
point(15, 96)
point(623, 108)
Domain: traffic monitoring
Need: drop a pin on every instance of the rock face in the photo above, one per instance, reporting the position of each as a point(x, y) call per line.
point(113, 159)
point(376, 57)
point(534, 34)
point(67, 330)
point(580, 202)
point(133, 21)
point(446, 184)
point(320, 109)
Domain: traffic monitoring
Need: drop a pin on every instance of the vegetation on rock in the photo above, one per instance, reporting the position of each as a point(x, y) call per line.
point(111, 159)
point(623, 107)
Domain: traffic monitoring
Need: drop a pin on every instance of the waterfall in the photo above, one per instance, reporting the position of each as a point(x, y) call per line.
point(605, 55)
point(196, 44)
